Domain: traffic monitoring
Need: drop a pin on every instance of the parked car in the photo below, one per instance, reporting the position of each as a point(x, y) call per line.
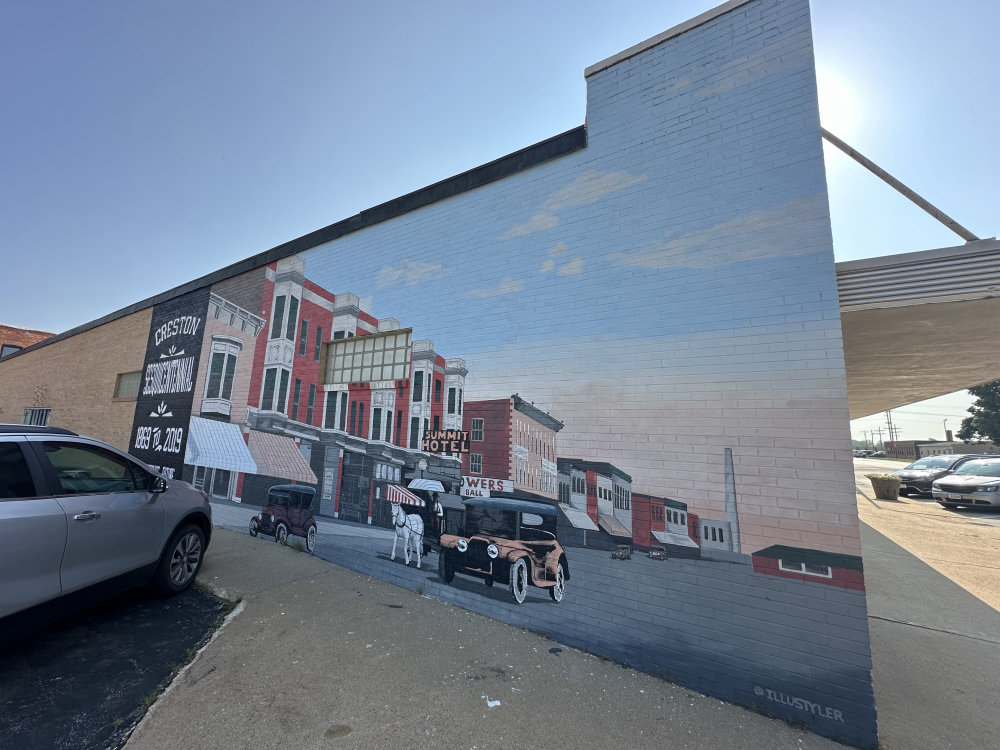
point(975, 482)
point(288, 511)
point(81, 520)
point(512, 541)
point(917, 478)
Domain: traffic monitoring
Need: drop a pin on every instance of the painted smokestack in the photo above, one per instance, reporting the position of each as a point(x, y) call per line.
point(732, 516)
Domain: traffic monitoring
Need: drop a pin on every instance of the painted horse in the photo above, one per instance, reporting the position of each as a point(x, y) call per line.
point(408, 527)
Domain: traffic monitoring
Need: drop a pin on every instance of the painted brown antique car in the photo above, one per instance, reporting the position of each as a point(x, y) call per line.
point(288, 511)
point(512, 541)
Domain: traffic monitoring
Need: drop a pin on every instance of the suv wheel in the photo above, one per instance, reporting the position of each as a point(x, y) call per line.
point(519, 580)
point(311, 538)
point(254, 526)
point(180, 562)
point(281, 534)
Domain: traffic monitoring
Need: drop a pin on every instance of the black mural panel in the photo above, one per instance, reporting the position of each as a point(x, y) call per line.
point(169, 374)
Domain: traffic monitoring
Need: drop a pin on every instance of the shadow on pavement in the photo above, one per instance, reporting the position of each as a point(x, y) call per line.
point(935, 649)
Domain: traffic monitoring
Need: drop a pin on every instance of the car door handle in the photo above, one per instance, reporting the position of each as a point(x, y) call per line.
point(87, 516)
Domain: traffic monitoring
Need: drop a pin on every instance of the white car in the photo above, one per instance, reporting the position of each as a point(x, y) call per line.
point(81, 520)
point(974, 483)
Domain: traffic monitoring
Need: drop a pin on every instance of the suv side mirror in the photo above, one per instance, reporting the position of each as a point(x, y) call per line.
point(159, 485)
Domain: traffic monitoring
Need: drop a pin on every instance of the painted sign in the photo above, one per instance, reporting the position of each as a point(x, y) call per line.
point(169, 373)
point(483, 486)
point(445, 441)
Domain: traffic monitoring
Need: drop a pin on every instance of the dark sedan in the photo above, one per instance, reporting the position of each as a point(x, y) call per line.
point(917, 478)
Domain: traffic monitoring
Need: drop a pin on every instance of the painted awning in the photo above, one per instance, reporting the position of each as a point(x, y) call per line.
point(426, 484)
point(578, 518)
point(677, 540)
point(217, 445)
point(279, 456)
point(611, 525)
point(396, 494)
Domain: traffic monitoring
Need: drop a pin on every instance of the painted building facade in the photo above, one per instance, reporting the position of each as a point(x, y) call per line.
point(661, 280)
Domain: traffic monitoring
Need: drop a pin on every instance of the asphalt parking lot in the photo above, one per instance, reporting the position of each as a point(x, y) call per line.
point(85, 682)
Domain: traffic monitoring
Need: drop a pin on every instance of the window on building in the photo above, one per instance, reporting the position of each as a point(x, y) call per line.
point(303, 337)
point(9, 349)
point(414, 432)
point(478, 428)
point(451, 400)
point(376, 424)
point(222, 368)
point(215, 482)
point(418, 386)
point(337, 335)
point(319, 343)
point(459, 400)
point(293, 314)
point(343, 412)
point(311, 404)
point(437, 391)
point(388, 425)
point(127, 385)
point(361, 420)
point(437, 422)
point(330, 417)
point(277, 318)
point(267, 395)
point(36, 416)
point(399, 427)
point(366, 359)
point(354, 417)
point(295, 399)
point(476, 463)
point(283, 391)
point(823, 571)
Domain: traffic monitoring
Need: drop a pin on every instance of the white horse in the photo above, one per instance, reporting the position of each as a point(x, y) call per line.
point(407, 526)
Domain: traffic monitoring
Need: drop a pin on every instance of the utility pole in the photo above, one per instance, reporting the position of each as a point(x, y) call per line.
point(892, 429)
point(880, 436)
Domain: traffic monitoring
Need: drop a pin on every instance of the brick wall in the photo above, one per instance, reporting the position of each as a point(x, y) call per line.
point(76, 377)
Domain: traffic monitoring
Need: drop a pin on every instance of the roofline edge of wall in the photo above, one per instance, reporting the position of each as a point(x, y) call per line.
point(664, 36)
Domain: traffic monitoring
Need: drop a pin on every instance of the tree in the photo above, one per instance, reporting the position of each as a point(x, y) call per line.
point(984, 424)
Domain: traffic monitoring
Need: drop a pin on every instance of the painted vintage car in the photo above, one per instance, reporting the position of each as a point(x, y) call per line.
point(507, 540)
point(288, 511)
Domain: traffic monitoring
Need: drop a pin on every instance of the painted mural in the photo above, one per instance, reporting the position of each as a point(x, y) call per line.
point(602, 398)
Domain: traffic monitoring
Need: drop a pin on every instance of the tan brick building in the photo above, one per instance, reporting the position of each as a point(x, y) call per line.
point(75, 382)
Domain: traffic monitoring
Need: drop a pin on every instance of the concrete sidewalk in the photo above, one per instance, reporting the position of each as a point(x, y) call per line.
point(318, 656)
point(321, 657)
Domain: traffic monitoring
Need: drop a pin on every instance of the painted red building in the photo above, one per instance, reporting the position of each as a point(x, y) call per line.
point(815, 566)
point(318, 391)
point(511, 439)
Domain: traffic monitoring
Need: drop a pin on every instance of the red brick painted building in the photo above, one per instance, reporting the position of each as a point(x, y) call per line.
point(512, 439)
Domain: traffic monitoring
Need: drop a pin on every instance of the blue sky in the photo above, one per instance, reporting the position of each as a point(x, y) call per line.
point(144, 145)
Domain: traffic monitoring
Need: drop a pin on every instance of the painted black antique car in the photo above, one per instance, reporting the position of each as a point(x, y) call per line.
point(288, 511)
point(512, 541)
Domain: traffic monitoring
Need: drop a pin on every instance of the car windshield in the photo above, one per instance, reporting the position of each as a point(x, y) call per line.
point(932, 462)
point(980, 468)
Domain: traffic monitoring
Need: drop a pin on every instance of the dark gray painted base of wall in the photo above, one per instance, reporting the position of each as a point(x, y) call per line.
point(794, 650)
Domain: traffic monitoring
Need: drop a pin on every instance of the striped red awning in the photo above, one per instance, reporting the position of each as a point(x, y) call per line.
point(396, 494)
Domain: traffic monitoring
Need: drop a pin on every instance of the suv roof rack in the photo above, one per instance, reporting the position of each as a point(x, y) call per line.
point(30, 429)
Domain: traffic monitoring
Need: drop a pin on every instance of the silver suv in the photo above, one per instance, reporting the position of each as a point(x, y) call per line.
point(81, 520)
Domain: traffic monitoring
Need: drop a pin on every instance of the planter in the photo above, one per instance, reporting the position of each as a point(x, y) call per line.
point(886, 487)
